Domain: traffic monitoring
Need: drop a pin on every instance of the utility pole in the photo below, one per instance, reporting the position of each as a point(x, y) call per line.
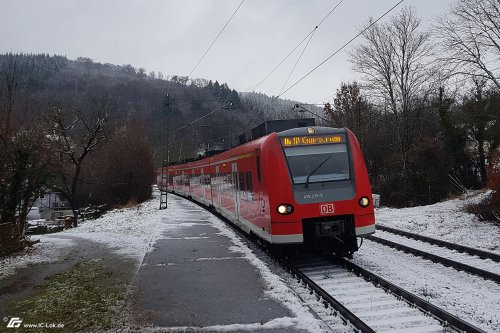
point(165, 160)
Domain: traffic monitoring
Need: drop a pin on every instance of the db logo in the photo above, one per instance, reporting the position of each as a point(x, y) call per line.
point(326, 209)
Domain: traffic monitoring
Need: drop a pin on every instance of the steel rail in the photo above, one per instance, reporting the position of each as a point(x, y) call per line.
point(435, 258)
point(345, 313)
point(465, 249)
point(339, 307)
point(445, 317)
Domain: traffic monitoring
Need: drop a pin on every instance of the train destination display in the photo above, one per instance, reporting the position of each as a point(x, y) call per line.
point(307, 140)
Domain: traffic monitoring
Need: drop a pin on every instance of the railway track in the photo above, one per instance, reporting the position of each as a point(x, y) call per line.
point(452, 246)
point(481, 263)
point(370, 303)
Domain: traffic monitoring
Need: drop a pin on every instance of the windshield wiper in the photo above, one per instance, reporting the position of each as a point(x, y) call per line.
point(316, 169)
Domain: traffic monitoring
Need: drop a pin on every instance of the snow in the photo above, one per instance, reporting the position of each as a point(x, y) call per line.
point(277, 288)
point(485, 264)
point(279, 324)
point(132, 232)
point(45, 251)
point(469, 297)
point(445, 220)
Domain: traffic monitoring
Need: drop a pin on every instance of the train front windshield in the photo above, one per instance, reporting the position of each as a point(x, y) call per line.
point(321, 163)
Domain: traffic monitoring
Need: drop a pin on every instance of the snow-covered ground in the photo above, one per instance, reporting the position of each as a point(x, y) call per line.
point(469, 297)
point(129, 231)
point(132, 232)
point(445, 220)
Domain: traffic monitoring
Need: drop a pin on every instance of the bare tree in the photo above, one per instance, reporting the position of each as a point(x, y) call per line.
point(124, 166)
point(74, 136)
point(351, 110)
point(14, 70)
point(395, 62)
point(470, 38)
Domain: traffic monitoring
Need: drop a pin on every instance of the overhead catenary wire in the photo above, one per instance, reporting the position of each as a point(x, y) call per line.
point(223, 28)
point(341, 48)
point(282, 61)
point(202, 117)
point(309, 35)
point(299, 106)
point(467, 77)
point(320, 101)
point(296, 63)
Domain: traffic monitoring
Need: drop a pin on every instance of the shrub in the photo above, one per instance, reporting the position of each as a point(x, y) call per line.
point(489, 208)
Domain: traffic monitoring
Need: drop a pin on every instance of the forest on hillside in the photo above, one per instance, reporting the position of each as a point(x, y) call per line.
point(94, 132)
point(427, 107)
point(427, 115)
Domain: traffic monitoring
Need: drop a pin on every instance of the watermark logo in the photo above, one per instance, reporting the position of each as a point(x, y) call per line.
point(14, 322)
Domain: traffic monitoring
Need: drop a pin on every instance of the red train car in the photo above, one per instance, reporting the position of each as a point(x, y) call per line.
point(305, 185)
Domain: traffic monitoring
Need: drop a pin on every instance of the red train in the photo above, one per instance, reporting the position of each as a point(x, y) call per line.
point(305, 185)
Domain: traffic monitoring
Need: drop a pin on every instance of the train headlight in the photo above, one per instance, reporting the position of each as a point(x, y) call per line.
point(364, 202)
point(285, 209)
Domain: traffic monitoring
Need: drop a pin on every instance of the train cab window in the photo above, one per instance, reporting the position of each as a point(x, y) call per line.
point(320, 163)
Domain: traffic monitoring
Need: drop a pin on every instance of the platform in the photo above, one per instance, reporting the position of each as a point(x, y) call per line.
point(192, 279)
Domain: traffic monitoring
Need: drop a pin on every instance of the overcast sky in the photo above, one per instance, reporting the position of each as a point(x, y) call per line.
point(171, 36)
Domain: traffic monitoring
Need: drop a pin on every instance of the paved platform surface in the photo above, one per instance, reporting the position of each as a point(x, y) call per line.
point(192, 279)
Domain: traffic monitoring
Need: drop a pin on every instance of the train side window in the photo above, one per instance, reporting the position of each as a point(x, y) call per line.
point(224, 183)
point(258, 168)
point(228, 182)
point(242, 182)
point(249, 185)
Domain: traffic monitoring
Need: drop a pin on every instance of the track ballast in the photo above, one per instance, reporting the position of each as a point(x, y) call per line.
point(370, 303)
point(481, 263)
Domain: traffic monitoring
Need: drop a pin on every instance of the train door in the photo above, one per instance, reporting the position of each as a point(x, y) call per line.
point(236, 190)
point(263, 209)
